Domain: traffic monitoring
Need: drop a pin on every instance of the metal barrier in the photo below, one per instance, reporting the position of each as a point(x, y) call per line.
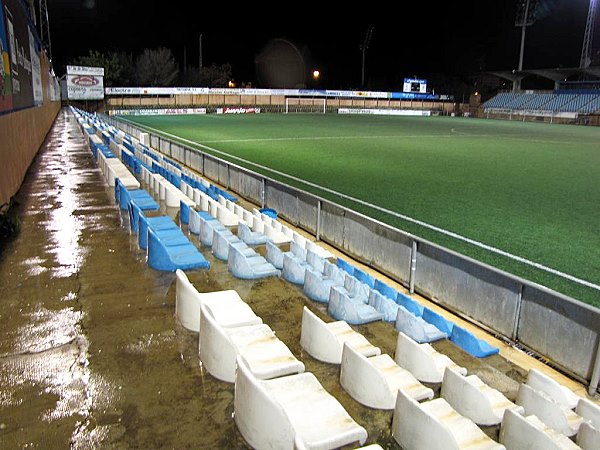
point(560, 329)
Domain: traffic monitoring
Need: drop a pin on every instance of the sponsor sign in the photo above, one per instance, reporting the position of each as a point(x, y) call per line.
point(5, 75)
point(238, 110)
point(36, 71)
point(16, 28)
point(156, 112)
point(154, 91)
point(85, 70)
point(85, 87)
point(383, 112)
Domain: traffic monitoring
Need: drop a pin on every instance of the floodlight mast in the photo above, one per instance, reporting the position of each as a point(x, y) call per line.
point(527, 8)
point(363, 48)
point(586, 51)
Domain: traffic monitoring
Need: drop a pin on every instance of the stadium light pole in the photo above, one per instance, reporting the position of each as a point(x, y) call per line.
point(363, 48)
point(200, 52)
point(523, 29)
point(586, 51)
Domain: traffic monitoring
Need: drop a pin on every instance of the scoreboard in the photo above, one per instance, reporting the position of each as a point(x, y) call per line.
point(415, 85)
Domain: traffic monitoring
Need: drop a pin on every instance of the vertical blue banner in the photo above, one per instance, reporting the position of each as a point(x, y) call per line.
point(6, 103)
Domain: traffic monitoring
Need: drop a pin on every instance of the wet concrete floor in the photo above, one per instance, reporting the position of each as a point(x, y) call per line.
point(91, 355)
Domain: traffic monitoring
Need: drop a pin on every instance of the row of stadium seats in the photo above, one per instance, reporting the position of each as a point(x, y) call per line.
point(556, 102)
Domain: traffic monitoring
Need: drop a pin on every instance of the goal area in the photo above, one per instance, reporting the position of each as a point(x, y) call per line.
point(305, 105)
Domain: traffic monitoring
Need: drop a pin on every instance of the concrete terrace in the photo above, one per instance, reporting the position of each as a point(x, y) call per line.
point(91, 354)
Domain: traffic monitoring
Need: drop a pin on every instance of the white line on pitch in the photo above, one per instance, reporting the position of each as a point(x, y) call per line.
point(390, 212)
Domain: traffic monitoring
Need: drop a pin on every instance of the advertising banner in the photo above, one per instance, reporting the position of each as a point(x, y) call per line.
point(5, 76)
point(157, 112)
point(238, 110)
point(16, 28)
point(85, 70)
point(85, 83)
point(384, 112)
point(36, 71)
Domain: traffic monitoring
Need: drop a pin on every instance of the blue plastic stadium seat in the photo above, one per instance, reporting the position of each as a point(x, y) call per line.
point(184, 212)
point(364, 277)
point(471, 344)
point(157, 223)
point(438, 320)
point(342, 264)
point(409, 303)
point(167, 252)
point(386, 290)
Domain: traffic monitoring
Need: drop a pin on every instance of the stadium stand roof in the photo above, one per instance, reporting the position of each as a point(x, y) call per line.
point(557, 74)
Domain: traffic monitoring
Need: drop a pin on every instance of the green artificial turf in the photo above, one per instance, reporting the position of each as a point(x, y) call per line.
point(529, 189)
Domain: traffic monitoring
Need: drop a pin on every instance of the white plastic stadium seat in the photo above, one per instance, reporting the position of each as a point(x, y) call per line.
point(474, 399)
point(423, 361)
point(266, 356)
point(549, 411)
point(541, 382)
point(374, 381)
point(529, 432)
point(291, 412)
point(324, 341)
point(227, 306)
point(588, 437)
point(434, 425)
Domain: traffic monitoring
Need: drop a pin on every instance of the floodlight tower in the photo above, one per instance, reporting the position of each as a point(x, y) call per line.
point(45, 27)
point(525, 18)
point(363, 48)
point(586, 51)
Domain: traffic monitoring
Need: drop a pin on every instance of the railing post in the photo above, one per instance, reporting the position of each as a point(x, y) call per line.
point(413, 267)
point(318, 236)
point(263, 199)
point(517, 320)
point(595, 373)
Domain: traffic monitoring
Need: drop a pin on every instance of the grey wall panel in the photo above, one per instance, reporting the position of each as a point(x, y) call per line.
point(486, 295)
point(307, 212)
point(379, 245)
point(283, 200)
point(564, 330)
point(154, 141)
point(223, 173)
point(250, 187)
point(211, 168)
point(332, 224)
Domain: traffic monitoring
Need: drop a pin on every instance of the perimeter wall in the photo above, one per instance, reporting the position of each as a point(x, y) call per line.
point(271, 103)
point(29, 96)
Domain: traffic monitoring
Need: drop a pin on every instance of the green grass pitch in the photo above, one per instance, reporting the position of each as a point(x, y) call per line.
point(529, 189)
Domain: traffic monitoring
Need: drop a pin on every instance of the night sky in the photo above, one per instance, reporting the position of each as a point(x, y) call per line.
point(422, 39)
